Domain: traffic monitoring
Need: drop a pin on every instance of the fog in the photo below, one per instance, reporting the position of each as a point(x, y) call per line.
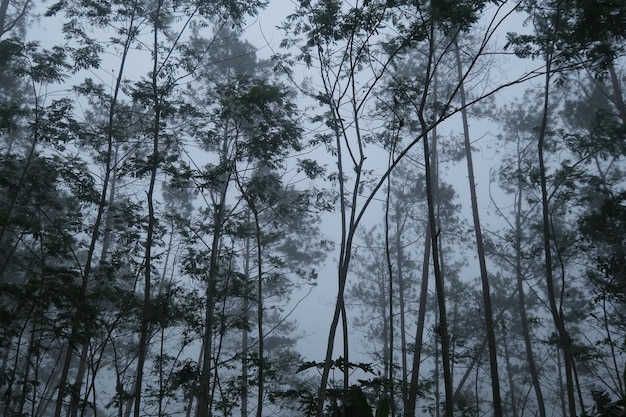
point(316, 208)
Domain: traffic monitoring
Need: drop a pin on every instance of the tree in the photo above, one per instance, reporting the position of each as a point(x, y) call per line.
point(514, 177)
point(12, 14)
point(347, 38)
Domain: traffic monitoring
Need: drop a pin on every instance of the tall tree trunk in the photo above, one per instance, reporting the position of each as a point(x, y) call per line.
point(90, 252)
point(480, 248)
point(409, 411)
point(244, 333)
point(348, 229)
point(411, 404)
point(401, 289)
point(560, 390)
point(204, 400)
point(530, 357)
point(509, 373)
point(191, 397)
point(390, 290)
point(106, 240)
point(13, 374)
point(384, 313)
point(442, 326)
point(146, 317)
point(557, 316)
point(261, 350)
point(578, 390)
point(96, 232)
point(437, 373)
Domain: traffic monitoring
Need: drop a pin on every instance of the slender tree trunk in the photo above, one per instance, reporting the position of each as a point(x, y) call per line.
point(348, 229)
point(578, 390)
point(547, 241)
point(204, 398)
point(349, 219)
point(4, 8)
point(530, 358)
point(27, 364)
point(419, 331)
point(561, 391)
point(437, 373)
point(617, 93)
point(3, 371)
point(202, 409)
point(244, 333)
point(401, 289)
point(509, 373)
point(106, 241)
point(96, 232)
point(475, 363)
point(128, 409)
point(480, 248)
point(390, 283)
point(13, 373)
point(384, 310)
point(146, 318)
point(442, 326)
point(409, 410)
point(346, 346)
point(191, 397)
point(220, 340)
point(160, 368)
point(261, 351)
point(454, 330)
point(614, 354)
point(5, 25)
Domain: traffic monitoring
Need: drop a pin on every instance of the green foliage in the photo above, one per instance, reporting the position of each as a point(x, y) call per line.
point(587, 32)
point(605, 407)
point(605, 229)
point(457, 15)
point(354, 402)
point(598, 30)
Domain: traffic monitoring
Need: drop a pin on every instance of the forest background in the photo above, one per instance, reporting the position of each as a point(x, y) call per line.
point(174, 192)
